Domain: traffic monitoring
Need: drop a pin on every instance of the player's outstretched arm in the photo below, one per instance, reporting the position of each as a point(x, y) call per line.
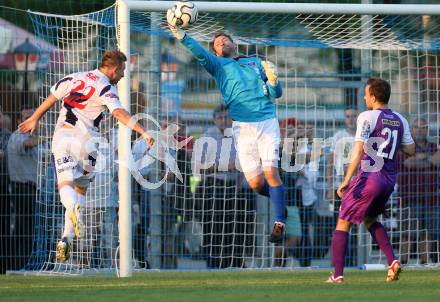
point(124, 117)
point(205, 57)
point(31, 123)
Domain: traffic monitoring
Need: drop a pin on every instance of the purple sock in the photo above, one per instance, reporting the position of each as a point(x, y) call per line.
point(380, 235)
point(339, 248)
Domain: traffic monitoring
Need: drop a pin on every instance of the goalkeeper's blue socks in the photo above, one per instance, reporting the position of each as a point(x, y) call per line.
point(339, 248)
point(278, 203)
point(265, 190)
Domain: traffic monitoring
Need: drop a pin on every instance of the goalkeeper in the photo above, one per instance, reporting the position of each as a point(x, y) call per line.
point(248, 86)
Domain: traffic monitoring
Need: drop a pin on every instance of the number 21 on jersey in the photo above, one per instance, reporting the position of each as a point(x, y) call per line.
point(391, 138)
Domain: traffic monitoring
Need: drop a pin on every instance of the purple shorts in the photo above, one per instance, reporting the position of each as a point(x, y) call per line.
point(366, 196)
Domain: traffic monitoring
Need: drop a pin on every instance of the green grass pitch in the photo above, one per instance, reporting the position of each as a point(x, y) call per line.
point(278, 285)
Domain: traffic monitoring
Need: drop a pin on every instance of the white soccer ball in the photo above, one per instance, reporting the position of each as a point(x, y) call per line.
point(185, 12)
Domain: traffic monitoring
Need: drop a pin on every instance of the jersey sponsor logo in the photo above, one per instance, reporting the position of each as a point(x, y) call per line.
point(63, 169)
point(243, 64)
point(250, 64)
point(65, 160)
point(111, 95)
point(92, 76)
point(366, 130)
point(390, 122)
point(255, 67)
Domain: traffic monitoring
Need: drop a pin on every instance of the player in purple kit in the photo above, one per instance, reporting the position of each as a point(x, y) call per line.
point(379, 133)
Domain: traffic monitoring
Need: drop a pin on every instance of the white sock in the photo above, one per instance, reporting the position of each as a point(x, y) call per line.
point(68, 227)
point(68, 197)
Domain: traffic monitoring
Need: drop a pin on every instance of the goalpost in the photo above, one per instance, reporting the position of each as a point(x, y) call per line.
point(324, 53)
point(124, 8)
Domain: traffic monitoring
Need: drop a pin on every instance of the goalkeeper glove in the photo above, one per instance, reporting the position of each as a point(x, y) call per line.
point(271, 72)
point(171, 19)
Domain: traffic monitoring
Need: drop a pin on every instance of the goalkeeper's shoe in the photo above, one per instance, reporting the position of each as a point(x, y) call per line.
point(76, 218)
point(277, 235)
point(333, 279)
point(394, 271)
point(63, 250)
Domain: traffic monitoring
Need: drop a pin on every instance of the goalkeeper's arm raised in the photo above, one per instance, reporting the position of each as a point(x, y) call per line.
point(176, 31)
point(207, 59)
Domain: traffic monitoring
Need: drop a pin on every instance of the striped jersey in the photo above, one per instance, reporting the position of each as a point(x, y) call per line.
point(85, 95)
point(383, 131)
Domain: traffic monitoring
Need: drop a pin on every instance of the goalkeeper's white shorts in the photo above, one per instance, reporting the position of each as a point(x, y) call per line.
point(257, 145)
point(72, 161)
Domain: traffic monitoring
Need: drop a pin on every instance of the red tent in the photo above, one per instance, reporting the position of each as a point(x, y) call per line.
point(12, 36)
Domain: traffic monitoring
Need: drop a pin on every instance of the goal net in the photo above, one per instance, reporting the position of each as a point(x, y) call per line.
point(79, 44)
point(208, 218)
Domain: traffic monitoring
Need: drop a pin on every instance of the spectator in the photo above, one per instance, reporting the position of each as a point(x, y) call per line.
point(5, 122)
point(22, 156)
point(5, 211)
point(290, 128)
point(343, 139)
point(418, 186)
point(225, 209)
point(175, 194)
point(180, 191)
point(307, 179)
point(98, 248)
point(340, 153)
point(140, 204)
point(141, 221)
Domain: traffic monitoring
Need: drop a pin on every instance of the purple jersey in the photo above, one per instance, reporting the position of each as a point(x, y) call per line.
point(382, 131)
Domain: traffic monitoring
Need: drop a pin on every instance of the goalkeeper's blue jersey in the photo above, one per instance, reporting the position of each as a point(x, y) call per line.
point(242, 82)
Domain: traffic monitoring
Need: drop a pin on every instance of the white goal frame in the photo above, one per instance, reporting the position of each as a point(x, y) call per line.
point(123, 23)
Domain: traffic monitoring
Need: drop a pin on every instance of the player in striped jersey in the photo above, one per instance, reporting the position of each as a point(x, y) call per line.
point(85, 96)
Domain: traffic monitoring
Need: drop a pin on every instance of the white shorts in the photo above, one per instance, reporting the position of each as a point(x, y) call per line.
point(72, 162)
point(257, 145)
